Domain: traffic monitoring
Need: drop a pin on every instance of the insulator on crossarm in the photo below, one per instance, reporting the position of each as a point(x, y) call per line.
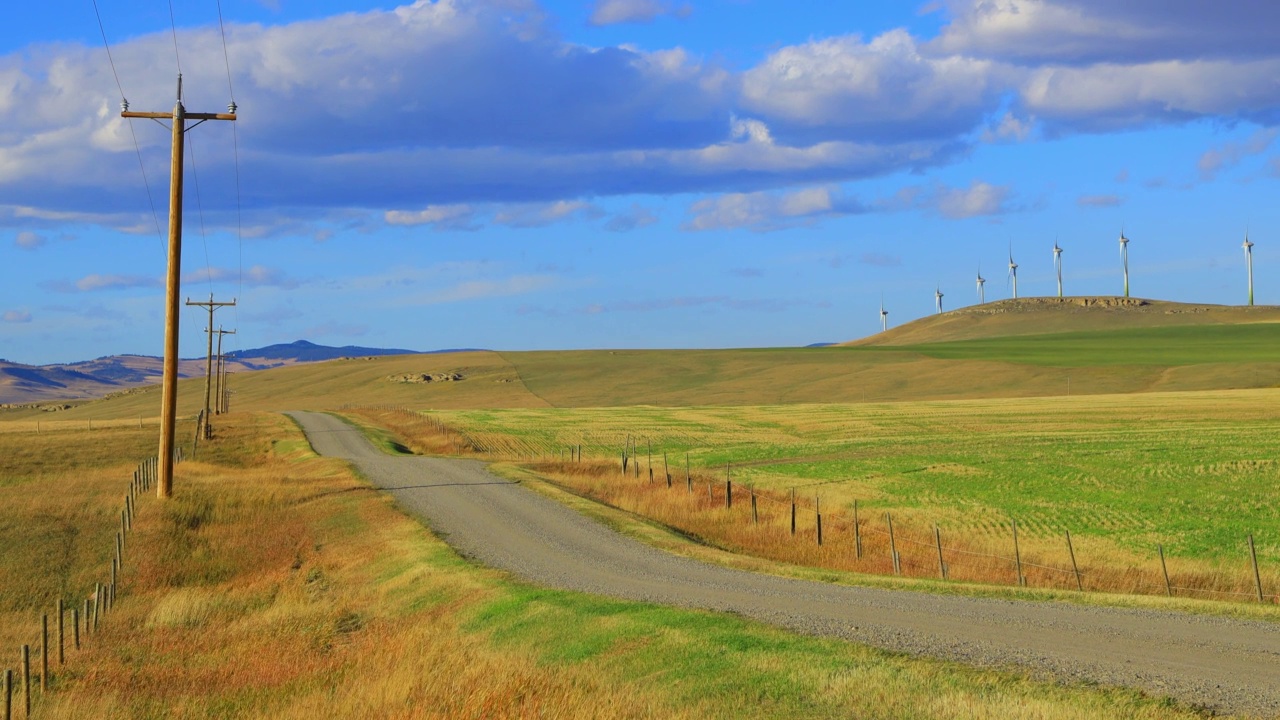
point(232, 107)
point(124, 105)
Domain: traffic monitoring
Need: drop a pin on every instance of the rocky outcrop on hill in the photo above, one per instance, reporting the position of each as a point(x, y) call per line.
point(422, 378)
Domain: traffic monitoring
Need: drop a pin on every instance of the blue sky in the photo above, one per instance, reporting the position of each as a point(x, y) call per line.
point(516, 174)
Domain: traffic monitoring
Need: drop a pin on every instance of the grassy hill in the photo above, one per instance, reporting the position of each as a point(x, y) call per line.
point(1051, 315)
point(1023, 348)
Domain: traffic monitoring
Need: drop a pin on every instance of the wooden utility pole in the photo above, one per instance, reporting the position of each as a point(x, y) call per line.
point(208, 363)
point(220, 369)
point(173, 282)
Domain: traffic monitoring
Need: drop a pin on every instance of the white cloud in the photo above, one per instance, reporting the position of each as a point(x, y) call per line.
point(1082, 32)
point(885, 89)
point(481, 289)
point(767, 211)
point(612, 12)
point(28, 240)
point(543, 214)
point(978, 199)
point(1099, 200)
point(442, 217)
point(16, 317)
point(1230, 154)
point(252, 276)
point(632, 219)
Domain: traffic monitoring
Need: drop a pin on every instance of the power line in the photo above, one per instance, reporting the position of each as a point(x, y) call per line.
point(235, 144)
point(173, 24)
point(204, 240)
point(124, 103)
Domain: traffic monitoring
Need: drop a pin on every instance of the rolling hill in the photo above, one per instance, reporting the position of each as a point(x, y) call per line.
point(1024, 348)
point(21, 384)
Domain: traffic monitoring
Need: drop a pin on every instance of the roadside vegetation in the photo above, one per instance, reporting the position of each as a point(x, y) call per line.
point(1192, 473)
point(276, 584)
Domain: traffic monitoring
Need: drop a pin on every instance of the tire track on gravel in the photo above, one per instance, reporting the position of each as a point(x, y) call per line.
point(1221, 664)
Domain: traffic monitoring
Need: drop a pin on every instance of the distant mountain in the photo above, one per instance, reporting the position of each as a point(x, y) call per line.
point(25, 384)
point(303, 351)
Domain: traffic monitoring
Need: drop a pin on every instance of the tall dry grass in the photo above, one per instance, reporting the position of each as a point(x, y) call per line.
point(699, 509)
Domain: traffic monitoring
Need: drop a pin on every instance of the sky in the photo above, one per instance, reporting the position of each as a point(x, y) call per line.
point(522, 175)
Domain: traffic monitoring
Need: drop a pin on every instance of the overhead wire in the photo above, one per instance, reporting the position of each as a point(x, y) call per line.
point(240, 224)
point(204, 239)
point(173, 24)
point(155, 217)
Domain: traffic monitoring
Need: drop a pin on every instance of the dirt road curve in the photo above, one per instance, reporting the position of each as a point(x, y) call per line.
point(1225, 665)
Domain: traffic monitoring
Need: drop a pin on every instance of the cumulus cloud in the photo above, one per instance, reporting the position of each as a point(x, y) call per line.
point(1099, 200)
point(543, 214)
point(768, 211)
point(440, 217)
point(612, 12)
point(1090, 31)
point(885, 90)
point(252, 276)
point(28, 240)
point(1230, 154)
point(97, 282)
point(481, 289)
point(631, 219)
point(428, 111)
point(979, 199)
point(16, 317)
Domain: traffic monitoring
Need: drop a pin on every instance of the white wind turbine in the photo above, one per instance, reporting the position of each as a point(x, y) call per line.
point(1013, 273)
point(1057, 264)
point(1124, 260)
point(884, 317)
point(982, 294)
point(937, 295)
point(1248, 258)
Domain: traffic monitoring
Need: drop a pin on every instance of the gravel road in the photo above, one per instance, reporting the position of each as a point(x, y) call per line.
point(1228, 666)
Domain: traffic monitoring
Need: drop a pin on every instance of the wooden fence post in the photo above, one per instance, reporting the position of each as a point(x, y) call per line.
point(44, 652)
point(8, 695)
point(857, 532)
point(793, 511)
point(893, 546)
point(649, 444)
point(937, 538)
point(666, 469)
point(755, 516)
point(1017, 556)
point(1168, 590)
point(1257, 578)
point(728, 494)
point(688, 479)
point(26, 679)
point(75, 626)
point(1074, 568)
point(62, 645)
point(817, 511)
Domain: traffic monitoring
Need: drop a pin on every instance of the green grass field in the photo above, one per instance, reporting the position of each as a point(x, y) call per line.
point(1195, 472)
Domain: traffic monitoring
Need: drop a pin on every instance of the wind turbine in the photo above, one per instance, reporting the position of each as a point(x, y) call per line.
point(1013, 272)
point(982, 294)
point(884, 317)
point(1248, 258)
point(1124, 259)
point(937, 294)
point(1057, 264)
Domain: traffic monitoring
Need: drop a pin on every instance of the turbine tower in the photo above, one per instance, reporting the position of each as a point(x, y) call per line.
point(937, 294)
point(1124, 260)
point(884, 317)
point(1013, 273)
point(1057, 264)
point(1248, 258)
point(982, 294)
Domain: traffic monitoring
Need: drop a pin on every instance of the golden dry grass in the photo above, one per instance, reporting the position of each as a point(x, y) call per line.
point(275, 584)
